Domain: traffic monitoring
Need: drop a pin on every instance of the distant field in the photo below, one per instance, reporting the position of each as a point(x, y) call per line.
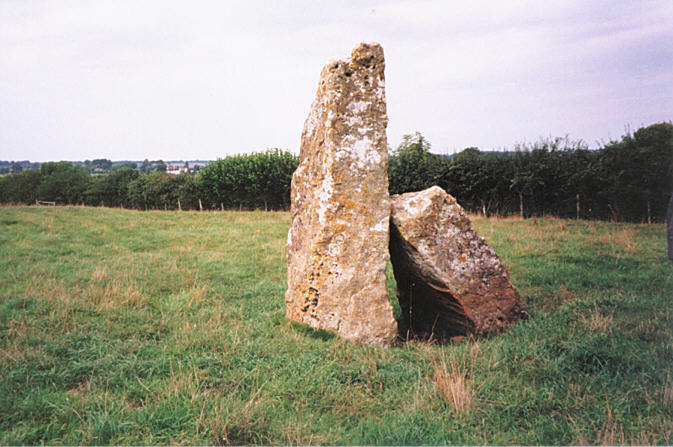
point(126, 327)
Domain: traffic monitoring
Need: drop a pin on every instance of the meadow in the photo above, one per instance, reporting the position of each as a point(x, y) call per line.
point(129, 327)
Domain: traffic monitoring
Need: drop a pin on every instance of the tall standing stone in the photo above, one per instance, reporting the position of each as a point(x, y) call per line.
point(337, 247)
point(449, 281)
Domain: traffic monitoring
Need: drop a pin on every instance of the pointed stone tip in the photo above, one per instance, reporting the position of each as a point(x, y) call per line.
point(368, 54)
point(433, 193)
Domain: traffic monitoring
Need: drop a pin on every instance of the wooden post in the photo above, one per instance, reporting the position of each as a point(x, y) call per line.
point(200, 205)
point(521, 205)
point(179, 205)
point(222, 206)
point(649, 212)
point(669, 225)
point(577, 205)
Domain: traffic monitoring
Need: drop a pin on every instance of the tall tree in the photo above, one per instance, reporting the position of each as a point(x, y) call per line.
point(412, 167)
point(62, 182)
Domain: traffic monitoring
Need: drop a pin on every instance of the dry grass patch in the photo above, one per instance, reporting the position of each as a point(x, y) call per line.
point(115, 294)
point(453, 385)
point(620, 239)
point(597, 321)
point(551, 302)
point(612, 432)
point(667, 392)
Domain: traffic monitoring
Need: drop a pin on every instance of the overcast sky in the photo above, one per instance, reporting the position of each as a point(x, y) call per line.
point(129, 79)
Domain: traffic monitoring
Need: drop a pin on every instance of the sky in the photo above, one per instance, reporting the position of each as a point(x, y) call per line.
point(171, 80)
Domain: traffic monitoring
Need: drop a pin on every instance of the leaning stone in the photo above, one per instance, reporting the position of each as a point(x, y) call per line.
point(449, 281)
point(337, 247)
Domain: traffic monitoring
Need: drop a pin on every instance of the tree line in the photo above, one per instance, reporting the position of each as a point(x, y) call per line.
point(255, 181)
point(629, 179)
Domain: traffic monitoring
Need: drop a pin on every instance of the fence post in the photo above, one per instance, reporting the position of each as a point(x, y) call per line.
point(200, 205)
point(649, 212)
point(669, 225)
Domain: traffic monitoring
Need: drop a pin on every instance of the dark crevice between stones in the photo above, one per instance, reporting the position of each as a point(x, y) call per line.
point(428, 312)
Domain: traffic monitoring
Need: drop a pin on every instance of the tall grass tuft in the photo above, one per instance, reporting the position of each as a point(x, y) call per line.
point(453, 385)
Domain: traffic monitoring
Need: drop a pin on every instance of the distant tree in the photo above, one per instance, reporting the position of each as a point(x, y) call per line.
point(16, 167)
point(160, 166)
point(477, 180)
point(125, 165)
point(156, 190)
point(189, 191)
point(20, 187)
point(103, 163)
point(111, 189)
point(259, 180)
point(412, 167)
point(655, 157)
point(62, 182)
point(637, 173)
point(146, 166)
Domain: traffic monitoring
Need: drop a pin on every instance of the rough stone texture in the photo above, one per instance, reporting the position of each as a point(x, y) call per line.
point(450, 282)
point(338, 240)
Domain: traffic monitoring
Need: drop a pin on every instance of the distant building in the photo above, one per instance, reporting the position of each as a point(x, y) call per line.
point(181, 168)
point(175, 168)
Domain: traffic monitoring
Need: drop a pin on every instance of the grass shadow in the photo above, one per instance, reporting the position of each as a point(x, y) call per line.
point(317, 334)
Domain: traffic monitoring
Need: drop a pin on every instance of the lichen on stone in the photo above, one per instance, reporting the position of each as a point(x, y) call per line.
point(338, 240)
point(450, 282)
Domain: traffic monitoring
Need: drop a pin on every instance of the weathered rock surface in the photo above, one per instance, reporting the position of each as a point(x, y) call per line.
point(450, 282)
point(338, 240)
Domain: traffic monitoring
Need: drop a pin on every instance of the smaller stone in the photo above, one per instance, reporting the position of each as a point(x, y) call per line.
point(449, 281)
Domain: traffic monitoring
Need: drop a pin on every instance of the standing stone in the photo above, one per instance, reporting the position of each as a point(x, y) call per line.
point(449, 281)
point(337, 247)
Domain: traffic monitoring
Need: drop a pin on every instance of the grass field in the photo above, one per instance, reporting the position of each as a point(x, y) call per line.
point(125, 327)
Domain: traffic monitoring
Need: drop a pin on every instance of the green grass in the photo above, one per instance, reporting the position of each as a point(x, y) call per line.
point(125, 327)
